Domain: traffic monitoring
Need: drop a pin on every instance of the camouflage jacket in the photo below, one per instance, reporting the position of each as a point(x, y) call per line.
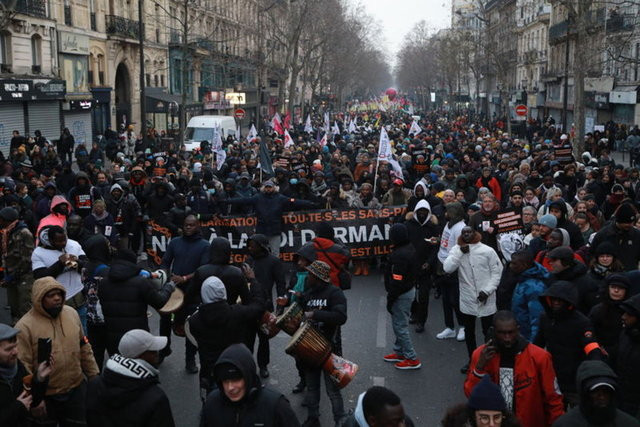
point(17, 261)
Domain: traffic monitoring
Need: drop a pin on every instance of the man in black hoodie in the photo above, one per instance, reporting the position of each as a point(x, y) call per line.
point(81, 196)
point(125, 294)
point(268, 270)
point(127, 393)
point(565, 267)
point(598, 387)
point(623, 235)
point(629, 357)
point(240, 398)
point(567, 334)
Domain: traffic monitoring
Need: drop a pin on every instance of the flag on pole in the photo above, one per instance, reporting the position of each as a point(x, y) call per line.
point(287, 121)
point(239, 133)
point(265, 159)
point(327, 125)
point(276, 124)
point(253, 134)
point(217, 148)
point(352, 126)
point(288, 141)
point(386, 155)
point(323, 141)
point(307, 126)
point(336, 129)
point(415, 128)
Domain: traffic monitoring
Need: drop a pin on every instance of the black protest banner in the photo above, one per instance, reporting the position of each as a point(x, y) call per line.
point(365, 232)
point(508, 221)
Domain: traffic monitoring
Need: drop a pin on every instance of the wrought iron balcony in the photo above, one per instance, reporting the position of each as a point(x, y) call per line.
point(37, 8)
point(122, 27)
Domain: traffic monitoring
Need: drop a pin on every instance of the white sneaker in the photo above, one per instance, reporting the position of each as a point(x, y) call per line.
point(460, 336)
point(446, 334)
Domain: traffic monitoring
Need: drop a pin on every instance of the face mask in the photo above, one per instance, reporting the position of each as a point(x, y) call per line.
point(54, 311)
point(293, 181)
point(212, 191)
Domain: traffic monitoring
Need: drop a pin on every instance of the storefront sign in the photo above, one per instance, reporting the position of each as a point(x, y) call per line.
point(73, 43)
point(215, 100)
point(85, 104)
point(31, 90)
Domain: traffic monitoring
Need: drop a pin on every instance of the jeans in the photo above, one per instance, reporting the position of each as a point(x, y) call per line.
point(400, 311)
point(274, 244)
point(469, 323)
point(312, 398)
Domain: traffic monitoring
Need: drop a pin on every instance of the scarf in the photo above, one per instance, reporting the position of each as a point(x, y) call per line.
point(4, 235)
point(8, 373)
point(100, 217)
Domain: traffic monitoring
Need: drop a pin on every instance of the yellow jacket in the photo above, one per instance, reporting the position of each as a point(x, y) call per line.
point(71, 351)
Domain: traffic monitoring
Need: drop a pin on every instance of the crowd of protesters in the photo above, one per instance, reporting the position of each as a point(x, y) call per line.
point(556, 292)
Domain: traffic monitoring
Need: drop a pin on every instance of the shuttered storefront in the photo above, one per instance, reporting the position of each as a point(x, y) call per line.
point(79, 124)
point(11, 118)
point(45, 117)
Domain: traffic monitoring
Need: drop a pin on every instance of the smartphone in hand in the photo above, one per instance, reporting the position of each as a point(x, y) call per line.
point(44, 350)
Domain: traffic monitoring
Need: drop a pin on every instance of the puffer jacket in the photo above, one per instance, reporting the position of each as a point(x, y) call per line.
point(70, 348)
point(567, 335)
point(219, 265)
point(525, 303)
point(478, 271)
point(124, 296)
point(55, 218)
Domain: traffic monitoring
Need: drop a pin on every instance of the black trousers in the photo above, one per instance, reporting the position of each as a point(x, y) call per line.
point(263, 357)
point(97, 334)
point(420, 305)
point(165, 330)
point(450, 289)
point(469, 323)
point(67, 410)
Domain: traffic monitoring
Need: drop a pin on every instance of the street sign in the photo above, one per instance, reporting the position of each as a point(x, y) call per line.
point(521, 110)
point(239, 114)
point(236, 98)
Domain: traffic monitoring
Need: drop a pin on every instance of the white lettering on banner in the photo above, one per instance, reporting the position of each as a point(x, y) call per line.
point(159, 243)
point(307, 235)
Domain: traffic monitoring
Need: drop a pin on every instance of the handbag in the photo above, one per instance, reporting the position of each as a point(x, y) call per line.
point(344, 277)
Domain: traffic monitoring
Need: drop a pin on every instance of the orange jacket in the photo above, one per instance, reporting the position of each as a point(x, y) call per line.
point(326, 248)
point(537, 397)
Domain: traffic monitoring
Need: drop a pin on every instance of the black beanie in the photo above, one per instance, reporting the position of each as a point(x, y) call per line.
point(625, 214)
point(9, 214)
point(486, 396)
point(325, 231)
point(606, 248)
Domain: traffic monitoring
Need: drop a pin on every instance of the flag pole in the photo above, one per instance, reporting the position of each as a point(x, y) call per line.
point(375, 176)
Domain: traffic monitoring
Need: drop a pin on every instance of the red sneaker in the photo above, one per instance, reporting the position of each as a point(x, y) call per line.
point(393, 358)
point(409, 364)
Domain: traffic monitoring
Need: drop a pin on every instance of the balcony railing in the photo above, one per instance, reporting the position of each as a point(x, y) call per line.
point(123, 27)
point(37, 8)
point(558, 31)
point(620, 23)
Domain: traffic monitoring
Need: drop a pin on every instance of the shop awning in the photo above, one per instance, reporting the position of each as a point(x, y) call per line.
point(158, 101)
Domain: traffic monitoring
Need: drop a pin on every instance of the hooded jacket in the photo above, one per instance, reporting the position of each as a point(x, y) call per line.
point(420, 232)
point(585, 415)
point(125, 210)
point(219, 266)
point(525, 302)
point(606, 318)
point(69, 347)
point(585, 284)
point(629, 364)
point(462, 184)
point(334, 254)
point(127, 394)
point(627, 243)
point(357, 419)
point(124, 297)
point(575, 235)
point(269, 270)
point(567, 335)
point(479, 270)
point(401, 273)
point(81, 196)
point(260, 405)
point(55, 218)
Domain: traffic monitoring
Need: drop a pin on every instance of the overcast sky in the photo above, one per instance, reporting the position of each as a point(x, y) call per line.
point(398, 16)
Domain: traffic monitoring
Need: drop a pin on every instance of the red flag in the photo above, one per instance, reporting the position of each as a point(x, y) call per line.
point(277, 125)
point(287, 121)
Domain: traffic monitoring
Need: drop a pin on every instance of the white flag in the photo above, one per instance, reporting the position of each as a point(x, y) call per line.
point(327, 125)
point(386, 155)
point(336, 129)
point(216, 144)
point(253, 134)
point(239, 133)
point(415, 128)
point(352, 126)
point(307, 126)
point(288, 141)
point(323, 141)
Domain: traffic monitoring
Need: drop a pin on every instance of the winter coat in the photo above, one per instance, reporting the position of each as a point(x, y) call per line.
point(525, 303)
point(329, 307)
point(568, 335)
point(334, 254)
point(82, 197)
point(419, 233)
point(492, 184)
point(158, 206)
point(55, 218)
point(260, 405)
point(124, 296)
point(581, 415)
point(269, 270)
point(125, 211)
point(606, 318)
point(478, 271)
point(104, 226)
point(69, 347)
point(628, 365)
point(401, 272)
point(627, 243)
point(219, 265)
point(477, 222)
point(585, 284)
point(127, 394)
point(12, 412)
point(269, 209)
point(537, 401)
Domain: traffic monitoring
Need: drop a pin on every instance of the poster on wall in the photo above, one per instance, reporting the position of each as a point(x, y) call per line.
point(76, 73)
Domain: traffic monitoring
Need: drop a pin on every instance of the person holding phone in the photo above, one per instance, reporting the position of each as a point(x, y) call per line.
point(15, 400)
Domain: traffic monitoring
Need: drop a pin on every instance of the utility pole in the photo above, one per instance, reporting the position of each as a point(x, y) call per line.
point(143, 99)
point(565, 97)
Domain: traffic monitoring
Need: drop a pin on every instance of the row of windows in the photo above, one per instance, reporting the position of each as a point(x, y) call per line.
point(5, 50)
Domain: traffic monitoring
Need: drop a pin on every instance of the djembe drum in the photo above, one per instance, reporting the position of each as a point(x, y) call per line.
point(290, 320)
point(310, 346)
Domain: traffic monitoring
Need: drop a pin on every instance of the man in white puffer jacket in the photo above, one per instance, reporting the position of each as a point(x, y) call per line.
point(479, 270)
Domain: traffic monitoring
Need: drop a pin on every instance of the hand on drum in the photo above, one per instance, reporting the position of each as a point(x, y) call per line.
point(291, 324)
point(177, 279)
point(308, 315)
point(248, 271)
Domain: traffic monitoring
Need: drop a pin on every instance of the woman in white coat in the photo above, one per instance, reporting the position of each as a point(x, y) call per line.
point(479, 270)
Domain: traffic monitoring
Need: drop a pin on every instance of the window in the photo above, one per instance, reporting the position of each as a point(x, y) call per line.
point(162, 80)
point(5, 48)
point(155, 80)
point(148, 79)
point(36, 50)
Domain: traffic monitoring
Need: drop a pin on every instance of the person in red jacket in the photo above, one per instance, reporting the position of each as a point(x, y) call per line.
point(334, 254)
point(490, 182)
point(523, 371)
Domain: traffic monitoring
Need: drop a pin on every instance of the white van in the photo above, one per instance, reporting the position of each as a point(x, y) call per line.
point(201, 128)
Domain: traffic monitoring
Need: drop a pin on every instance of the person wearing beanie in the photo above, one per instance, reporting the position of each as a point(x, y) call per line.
point(598, 388)
point(622, 234)
point(604, 262)
point(545, 224)
point(506, 357)
point(613, 201)
point(606, 316)
point(559, 209)
point(17, 247)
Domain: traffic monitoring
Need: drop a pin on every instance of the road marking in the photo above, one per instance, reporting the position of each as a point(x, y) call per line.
point(381, 335)
point(378, 381)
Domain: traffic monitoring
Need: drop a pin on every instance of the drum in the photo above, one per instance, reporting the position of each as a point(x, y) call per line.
point(292, 316)
point(309, 345)
point(176, 300)
point(267, 324)
point(340, 370)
